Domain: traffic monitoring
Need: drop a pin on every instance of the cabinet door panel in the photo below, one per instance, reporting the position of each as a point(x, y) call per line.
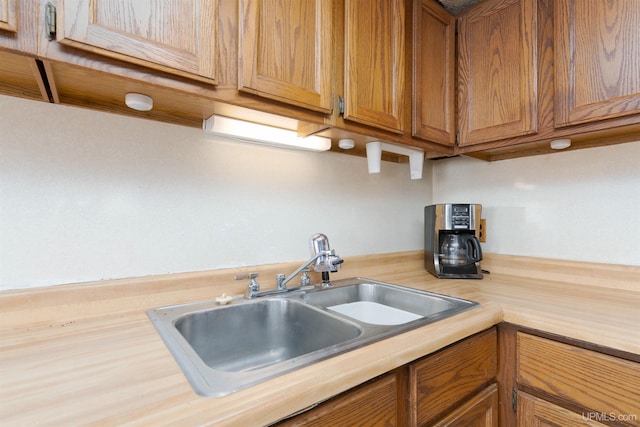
point(9, 15)
point(176, 36)
point(373, 404)
point(597, 58)
point(433, 73)
point(447, 378)
point(375, 62)
point(287, 52)
point(572, 372)
point(537, 412)
point(497, 77)
point(479, 411)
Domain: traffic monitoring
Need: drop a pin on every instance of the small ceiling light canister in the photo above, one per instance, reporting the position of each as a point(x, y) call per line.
point(346, 144)
point(560, 144)
point(138, 101)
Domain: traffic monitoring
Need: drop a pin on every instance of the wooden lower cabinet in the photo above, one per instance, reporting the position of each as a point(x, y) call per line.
point(533, 411)
point(445, 381)
point(572, 385)
point(376, 403)
point(479, 411)
point(452, 387)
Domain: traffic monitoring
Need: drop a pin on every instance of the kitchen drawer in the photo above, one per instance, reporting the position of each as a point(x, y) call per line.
point(579, 377)
point(445, 380)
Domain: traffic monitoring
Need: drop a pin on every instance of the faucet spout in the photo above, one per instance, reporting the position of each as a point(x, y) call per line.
point(324, 261)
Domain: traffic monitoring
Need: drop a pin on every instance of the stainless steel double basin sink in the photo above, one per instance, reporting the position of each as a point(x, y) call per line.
point(222, 349)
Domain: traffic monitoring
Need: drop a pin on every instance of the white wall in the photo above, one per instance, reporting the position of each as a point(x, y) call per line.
point(87, 196)
point(579, 205)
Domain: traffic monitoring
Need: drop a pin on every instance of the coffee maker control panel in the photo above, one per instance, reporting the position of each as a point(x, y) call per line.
point(459, 217)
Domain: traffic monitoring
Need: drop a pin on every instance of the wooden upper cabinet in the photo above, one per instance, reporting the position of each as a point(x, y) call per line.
point(286, 51)
point(175, 36)
point(374, 63)
point(18, 26)
point(9, 15)
point(597, 60)
point(434, 45)
point(497, 71)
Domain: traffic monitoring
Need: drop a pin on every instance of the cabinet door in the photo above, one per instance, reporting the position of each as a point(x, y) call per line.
point(537, 412)
point(449, 377)
point(572, 372)
point(376, 403)
point(287, 52)
point(9, 15)
point(479, 411)
point(175, 36)
point(375, 63)
point(18, 26)
point(597, 60)
point(497, 74)
point(433, 116)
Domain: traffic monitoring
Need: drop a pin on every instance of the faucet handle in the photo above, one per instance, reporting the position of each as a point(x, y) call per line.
point(305, 280)
point(254, 286)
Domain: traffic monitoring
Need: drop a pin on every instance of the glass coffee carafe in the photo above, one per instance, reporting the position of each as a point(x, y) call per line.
point(459, 249)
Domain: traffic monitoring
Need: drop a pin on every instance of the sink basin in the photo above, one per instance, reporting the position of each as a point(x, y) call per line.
point(222, 349)
point(251, 336)
point(384, 304)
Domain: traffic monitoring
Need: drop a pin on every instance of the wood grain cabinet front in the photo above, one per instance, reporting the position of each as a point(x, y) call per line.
point(174, 36)
point(479, 411)
point(433, 68)
point(445, 385)
point(574, 385)
point(376, 403)
point(597, 60)
point(19, 73)
point(497, 71)
point(9, 15)
point(375, 63)
point(286, 51)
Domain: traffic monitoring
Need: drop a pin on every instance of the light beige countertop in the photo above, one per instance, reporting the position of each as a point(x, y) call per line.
point(87, 354)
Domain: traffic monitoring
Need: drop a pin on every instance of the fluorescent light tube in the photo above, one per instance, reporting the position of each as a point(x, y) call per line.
point(263, 134)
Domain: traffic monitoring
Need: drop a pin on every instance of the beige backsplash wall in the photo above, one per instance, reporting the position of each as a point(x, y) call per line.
point(581, 205)
point(87, 196)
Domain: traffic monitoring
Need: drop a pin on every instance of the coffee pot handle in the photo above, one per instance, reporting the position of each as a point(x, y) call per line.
point(476, 254)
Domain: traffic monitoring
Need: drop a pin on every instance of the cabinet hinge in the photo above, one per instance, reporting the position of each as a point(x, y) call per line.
point(340, 106)
point(514, 400)
point(50, 21)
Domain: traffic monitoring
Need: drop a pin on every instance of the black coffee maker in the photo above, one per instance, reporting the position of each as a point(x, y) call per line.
point(451, 246)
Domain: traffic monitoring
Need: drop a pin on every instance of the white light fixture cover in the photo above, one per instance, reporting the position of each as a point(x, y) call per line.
point(263, 134)
point(138, 101)
point(374, 157)
point(560, 144)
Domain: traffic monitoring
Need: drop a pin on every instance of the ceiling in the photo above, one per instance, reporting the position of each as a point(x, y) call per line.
point(456, 7)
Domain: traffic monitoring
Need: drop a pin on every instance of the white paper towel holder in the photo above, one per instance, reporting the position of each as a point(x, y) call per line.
point(374, 157)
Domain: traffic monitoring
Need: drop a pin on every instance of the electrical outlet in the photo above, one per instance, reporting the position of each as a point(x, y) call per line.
point(483, 230)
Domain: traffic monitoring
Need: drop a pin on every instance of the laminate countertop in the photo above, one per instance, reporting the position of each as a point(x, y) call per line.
point(87, 354)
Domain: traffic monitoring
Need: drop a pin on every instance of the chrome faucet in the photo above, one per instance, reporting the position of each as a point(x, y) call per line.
point(323, 258)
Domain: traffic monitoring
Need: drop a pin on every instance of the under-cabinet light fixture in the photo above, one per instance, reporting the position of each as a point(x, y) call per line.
point(560, 144)
point(138, 101)
point(263, 134)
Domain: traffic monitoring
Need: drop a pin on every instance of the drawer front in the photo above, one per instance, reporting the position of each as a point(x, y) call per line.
point(593, 381)
point(441, 382)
